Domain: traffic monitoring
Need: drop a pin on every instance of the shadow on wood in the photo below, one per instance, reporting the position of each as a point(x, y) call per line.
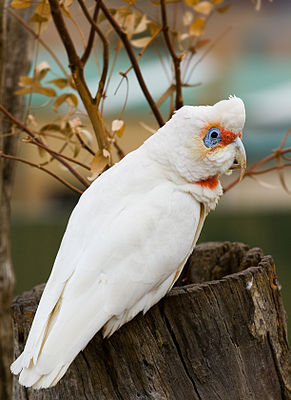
point(224, 339)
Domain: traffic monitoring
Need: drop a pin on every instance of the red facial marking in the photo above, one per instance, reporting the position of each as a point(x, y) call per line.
point(210, 183)
point(228, 137)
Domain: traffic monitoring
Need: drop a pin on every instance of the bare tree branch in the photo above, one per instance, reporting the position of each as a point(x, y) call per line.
point(276, 154)
point(90, 42)
point(66, 183)
point(84, 145)
point(77, 69)
point(40, 142)
point(156, 34)
point(123, 36)
point(120, 152)
point(105, 51)
point(176, 59)
point(51, 151)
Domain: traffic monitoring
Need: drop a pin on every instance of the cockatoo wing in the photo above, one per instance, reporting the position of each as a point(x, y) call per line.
point(127, 255)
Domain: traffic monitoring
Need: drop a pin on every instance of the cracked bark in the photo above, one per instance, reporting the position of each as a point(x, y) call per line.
point(221, 336)
point(14, 61)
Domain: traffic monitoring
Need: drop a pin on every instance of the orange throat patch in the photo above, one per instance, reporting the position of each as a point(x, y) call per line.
point(210, 183)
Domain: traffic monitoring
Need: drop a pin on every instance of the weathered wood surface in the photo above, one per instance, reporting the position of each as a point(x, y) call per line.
point(223, 339)
point(14, 61)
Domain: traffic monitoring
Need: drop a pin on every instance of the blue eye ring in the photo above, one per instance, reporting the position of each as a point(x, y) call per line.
point(212, 137)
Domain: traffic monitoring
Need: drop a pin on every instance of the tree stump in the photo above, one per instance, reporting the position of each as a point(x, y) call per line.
point(224, 339)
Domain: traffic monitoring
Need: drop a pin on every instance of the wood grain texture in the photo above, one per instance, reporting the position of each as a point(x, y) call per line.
point(14, 61)
point(224, 339)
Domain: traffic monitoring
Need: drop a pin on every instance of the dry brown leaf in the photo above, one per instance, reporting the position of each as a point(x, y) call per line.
point(70, 98)
point(184, 36)
point(34, 82)
point(25, 81)
point(37, 89)
point(38, 19)
point(67, 3)
point(65, 7)
point(187, 18)
point(125, 17)
point(75, 123)
point(41, 70)
point(223, 9)
point(129, 24)
point(20, 3)
point(140, 43)
point(50, 92)
point(118, 127)
point(60, 82)
point(77, 149)
point(197, 27)
point(141, 25)
point(98, 164)
point(31, 121)
point(23, 91)
point(122, 12)
point(191, 2)
point(202, 43)
point(204, 7)
point(158, 2)
point(106, 153)
point(153, 28)
point(130, 2)
point(41, 16)
point(50, 128)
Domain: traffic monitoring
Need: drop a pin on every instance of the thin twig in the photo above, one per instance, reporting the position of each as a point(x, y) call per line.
point(251, 170)
point(90, 42)
point(38, 140)
point(51, 151)
point(84, 145)
point(109, 78)
point(120, 152)
point(66, 183)
point(176, 59)
point(143, 50)
point(105, 51)
point(126, 97)
point(211, 47)
point(123, 36)
point(79, 30)
point(265, 171)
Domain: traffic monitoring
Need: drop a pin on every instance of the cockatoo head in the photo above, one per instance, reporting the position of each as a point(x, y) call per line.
point(204, 142)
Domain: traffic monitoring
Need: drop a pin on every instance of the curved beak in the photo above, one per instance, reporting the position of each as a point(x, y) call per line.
point(240, 156)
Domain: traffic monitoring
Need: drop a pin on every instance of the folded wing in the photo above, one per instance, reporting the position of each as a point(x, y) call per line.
point(120, 261)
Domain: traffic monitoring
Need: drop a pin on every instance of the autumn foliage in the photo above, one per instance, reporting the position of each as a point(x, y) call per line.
point(125, 28)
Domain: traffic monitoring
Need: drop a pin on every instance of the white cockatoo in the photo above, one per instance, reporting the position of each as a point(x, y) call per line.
point(130, 235)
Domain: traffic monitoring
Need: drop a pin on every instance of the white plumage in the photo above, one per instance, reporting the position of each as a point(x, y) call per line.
point(129, 237)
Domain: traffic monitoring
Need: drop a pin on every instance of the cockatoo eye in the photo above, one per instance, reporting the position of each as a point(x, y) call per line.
point(212, 137)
